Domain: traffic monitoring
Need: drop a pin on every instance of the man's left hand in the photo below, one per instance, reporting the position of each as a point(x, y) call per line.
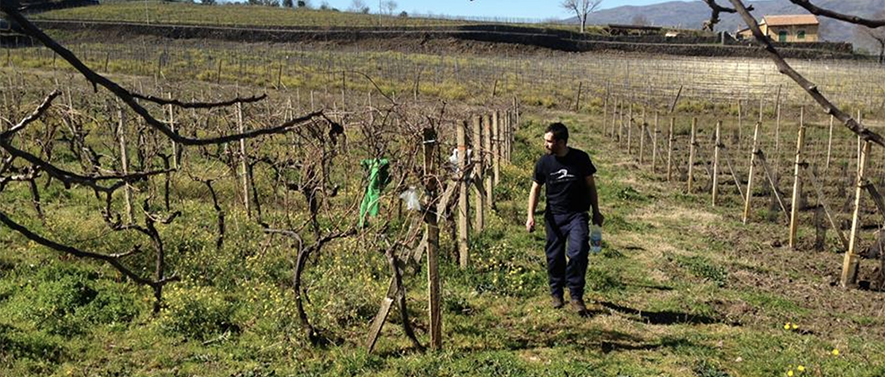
point(598, 218)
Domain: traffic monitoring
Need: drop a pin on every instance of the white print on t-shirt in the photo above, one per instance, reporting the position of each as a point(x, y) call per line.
point(563, 174)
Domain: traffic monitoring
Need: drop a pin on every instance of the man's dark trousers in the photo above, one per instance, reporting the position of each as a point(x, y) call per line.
point(574, 228)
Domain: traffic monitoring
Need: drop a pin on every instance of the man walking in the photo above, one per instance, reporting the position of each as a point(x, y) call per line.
point(571, 192)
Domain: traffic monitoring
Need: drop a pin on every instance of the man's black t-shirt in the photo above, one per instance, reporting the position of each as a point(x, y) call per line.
point(566, 181)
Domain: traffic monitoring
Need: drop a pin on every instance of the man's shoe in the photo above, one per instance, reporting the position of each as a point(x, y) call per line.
point(579, 306)
point(557, 301)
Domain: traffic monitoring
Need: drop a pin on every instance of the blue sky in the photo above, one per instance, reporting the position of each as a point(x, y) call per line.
point(533, 9)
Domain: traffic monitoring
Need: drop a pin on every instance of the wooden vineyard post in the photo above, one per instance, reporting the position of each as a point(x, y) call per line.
point(829, 145)
point(691, 152)
point(496, 148)
point(511, 130)
point(479, 165)
point(859, 142)
point(616, 112)
point(642, 130)
point(630, 131)
point(740, 122)
point(777, 135)
point(578, 96)
point(504, 135)
point(849, 266)
point(753, 151)
point(670, 141)
point(244, 163)
point(174, 144)
point(621, 138)
point(716, 150)
point(432, 229)
point(463, 204)
point(486, 149)
point(505, 139)
point(794, 208)
point(654, 145)
point(604, 116)
point(124, 165)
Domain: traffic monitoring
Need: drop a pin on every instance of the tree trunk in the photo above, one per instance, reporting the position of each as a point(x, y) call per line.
point(583, 23)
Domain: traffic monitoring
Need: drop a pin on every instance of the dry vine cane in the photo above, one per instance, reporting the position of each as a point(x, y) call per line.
point(20, 165)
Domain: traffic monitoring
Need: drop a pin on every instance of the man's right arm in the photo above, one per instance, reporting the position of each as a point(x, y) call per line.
point(534, 192)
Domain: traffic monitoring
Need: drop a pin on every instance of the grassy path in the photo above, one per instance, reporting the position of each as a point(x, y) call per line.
point(680, 290)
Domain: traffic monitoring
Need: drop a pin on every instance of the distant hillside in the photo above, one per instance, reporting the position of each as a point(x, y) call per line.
point(692, 14)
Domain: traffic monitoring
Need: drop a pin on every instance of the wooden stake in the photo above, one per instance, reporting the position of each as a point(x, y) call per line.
point(849, 265)
point(777, 134)
point(432, 229)
point(691, 151)
point(794, 209)
point(496, 148)
point(859, 143)
point(243, 160)
point(630, 130)
point(642, 130)
point(578, 96)
point(761, 99)
point(172, 127)
point(654, 145)
point(486, 152)
point(750, 178)
point(124, 164)
point(829, 145)
point(621, 138)
point(715, 193)
point(463, 204)
point(604, 116)
point(670, 140)
point(478, 168)
point(616, 111)
point(740, 122)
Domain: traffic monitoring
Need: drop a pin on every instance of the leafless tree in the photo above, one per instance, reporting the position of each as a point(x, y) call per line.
point(388, 7)
point(582, 9)
point(358, 6)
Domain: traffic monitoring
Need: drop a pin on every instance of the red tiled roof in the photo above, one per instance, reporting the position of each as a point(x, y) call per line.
point(784, 20)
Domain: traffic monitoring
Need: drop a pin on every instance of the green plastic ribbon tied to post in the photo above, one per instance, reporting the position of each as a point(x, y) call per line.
point(379, 176)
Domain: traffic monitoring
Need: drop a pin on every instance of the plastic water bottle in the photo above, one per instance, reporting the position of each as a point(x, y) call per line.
point(595, 238)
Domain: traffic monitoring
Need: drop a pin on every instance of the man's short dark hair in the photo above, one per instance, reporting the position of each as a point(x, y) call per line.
point(559, 131)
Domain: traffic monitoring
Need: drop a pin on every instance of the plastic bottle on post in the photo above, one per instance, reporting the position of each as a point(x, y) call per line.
point(595, 238)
